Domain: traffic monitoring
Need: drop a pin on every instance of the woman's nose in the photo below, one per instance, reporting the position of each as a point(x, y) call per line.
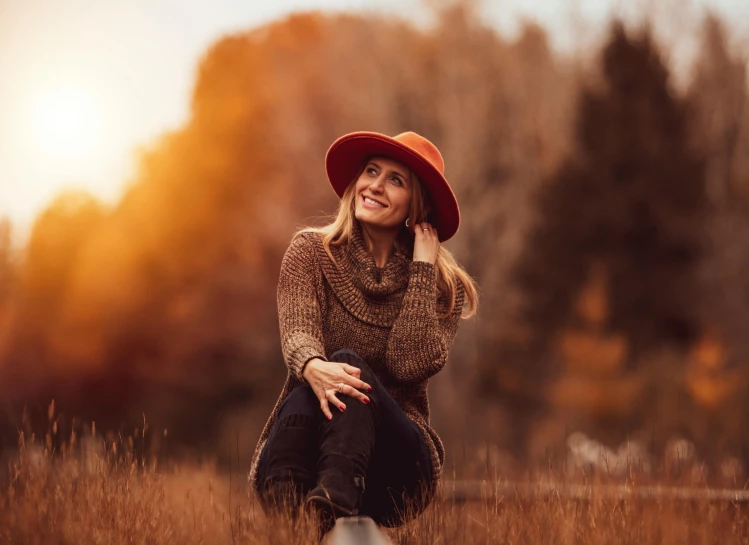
point(378, 184)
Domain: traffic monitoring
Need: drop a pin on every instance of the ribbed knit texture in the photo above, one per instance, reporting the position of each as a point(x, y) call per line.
point(389, 316)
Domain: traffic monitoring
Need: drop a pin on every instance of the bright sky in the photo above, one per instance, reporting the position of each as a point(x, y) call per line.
point(84, 83)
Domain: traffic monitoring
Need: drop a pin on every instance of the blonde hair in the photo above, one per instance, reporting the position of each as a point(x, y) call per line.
point(449, 271)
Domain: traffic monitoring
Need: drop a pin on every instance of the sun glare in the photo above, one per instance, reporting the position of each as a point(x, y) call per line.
point(66, 124)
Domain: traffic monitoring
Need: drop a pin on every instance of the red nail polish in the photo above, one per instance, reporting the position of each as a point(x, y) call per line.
point(366, 400)
point(369, 389)
point(343, 407)
point(330, 417)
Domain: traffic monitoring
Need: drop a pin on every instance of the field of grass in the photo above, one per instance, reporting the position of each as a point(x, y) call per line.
point(107, 495)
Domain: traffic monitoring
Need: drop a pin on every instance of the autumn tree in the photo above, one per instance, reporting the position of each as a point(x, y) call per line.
point(50, 256)
point(7, 268)
point(8, 274)
point(718, 377)
point(628, 203)
point(720, 105)
point(29, 367)
point(168, 306)
point(718, 93)
point(632, 198)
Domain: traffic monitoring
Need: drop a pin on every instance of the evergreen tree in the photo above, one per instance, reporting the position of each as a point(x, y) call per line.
point(718, 93)
point(720, 106)
point(631, 198)
point(627, 203)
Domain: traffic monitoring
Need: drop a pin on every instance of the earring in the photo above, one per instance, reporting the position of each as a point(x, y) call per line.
point(407, 222)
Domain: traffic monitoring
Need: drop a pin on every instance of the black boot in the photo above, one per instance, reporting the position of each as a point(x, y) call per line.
point(339, 487)
point(292, 451)
point(346, 447)
point(338, 494)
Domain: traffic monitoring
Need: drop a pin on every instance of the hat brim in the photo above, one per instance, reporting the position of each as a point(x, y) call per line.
point(345, 158)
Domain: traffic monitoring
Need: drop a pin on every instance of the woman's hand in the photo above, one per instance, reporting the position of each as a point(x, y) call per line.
point(426, 243)
point(325, 378)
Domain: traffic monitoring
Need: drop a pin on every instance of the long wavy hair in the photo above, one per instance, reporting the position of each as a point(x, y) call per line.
point(449, 271)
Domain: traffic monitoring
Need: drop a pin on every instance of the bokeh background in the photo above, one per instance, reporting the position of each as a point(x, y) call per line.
point(155, 159)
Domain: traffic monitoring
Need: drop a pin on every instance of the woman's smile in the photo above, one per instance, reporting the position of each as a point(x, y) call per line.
point(369, 202)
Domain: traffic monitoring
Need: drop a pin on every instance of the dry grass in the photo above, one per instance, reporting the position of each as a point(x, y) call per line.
point(108, 496)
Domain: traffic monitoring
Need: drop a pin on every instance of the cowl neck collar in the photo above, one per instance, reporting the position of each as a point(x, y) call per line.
point(372, 294)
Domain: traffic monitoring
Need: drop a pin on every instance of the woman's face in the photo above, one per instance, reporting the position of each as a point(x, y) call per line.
point(383, 193)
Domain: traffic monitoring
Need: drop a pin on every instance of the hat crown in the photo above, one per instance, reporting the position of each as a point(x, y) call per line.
point(423, 147)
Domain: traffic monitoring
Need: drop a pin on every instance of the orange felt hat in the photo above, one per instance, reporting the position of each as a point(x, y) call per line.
point(346, 156)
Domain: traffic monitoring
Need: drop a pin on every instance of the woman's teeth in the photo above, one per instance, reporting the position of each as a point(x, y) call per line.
point(374, 203)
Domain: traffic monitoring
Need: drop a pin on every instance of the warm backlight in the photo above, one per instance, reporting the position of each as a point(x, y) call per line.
point(66, 124)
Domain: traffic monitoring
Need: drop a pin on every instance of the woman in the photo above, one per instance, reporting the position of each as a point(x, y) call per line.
point(368, 308)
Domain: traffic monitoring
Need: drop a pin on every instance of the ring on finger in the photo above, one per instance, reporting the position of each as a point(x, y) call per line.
point(340, 387)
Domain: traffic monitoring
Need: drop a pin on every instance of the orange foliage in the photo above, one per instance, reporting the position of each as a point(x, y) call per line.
point(709, 353)
point(707, 379)
point(165, 304)
point(601, 396)
point(593, 302)
point(592, 353)
point(712, 392)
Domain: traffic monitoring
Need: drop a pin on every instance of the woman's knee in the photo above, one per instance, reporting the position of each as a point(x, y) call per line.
point(301, 400)
point(355, 360)
point(350, 357)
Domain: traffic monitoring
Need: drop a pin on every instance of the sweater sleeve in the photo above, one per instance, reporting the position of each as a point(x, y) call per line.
point(299, 316)
point(420, 340)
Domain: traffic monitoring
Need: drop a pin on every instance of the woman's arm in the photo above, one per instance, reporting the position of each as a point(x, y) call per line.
point(299, 316)
point(300, 322)
point(420, 340)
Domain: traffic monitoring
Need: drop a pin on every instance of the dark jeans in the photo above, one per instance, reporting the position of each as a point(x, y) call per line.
point(399, 474)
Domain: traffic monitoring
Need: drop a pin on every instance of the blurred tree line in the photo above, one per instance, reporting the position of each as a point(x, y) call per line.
point(604, 216)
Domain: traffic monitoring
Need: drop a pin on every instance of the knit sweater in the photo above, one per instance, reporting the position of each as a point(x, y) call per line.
point(388, 315)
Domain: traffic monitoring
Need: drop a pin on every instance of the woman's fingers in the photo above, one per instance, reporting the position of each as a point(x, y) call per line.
point(426, 243)
point(331, 397)
point(324, 406)
point(420, 236)
point(327, 381)
point(357, 384)
point(354, 377)
point(428, 230)
point(353, 392)
point(351, 370)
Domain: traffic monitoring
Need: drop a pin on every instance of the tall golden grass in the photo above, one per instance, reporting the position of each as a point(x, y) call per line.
point(104, 491)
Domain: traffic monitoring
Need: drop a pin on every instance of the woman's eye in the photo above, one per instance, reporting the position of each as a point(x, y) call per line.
point(371, 171)
point(397, 181)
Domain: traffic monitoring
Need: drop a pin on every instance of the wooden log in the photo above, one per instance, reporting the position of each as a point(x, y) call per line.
point(469, 491)
point(356, 531)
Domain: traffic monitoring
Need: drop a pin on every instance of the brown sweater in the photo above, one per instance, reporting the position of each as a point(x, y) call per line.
point(389, 316)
